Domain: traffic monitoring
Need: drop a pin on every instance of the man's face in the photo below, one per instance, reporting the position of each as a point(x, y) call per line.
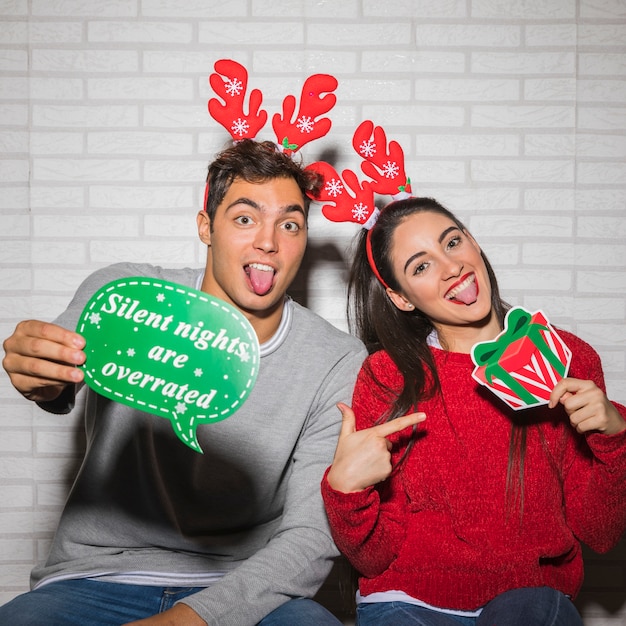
point(256, 244)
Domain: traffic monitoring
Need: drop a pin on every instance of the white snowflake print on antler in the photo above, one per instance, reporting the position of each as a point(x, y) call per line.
point(367, 149)
point(240, 127)
point(333, 187)
point(233, 86)
point(390, 169)
point(360, 212)
point(305, 124)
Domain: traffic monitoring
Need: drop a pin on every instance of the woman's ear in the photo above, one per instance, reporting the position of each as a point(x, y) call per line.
point(399, 300)
point(204, 227)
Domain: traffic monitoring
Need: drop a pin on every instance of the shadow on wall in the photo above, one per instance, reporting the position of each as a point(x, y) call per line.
point(317, 255)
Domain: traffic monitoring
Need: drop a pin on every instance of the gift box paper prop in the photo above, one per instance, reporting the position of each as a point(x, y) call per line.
point(524, 362)
point(169, 350)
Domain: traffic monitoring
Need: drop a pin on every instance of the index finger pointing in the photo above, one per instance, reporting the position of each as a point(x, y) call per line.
point(398, 424)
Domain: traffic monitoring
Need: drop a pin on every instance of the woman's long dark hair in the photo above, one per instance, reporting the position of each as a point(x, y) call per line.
point(403, 334)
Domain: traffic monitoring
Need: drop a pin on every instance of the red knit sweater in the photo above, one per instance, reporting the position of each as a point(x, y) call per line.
point(438, 528)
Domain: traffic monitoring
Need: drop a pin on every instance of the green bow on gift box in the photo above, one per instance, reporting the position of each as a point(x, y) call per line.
point(518, 324)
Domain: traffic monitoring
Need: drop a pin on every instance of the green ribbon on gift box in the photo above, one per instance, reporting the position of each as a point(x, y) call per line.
point(518, 324)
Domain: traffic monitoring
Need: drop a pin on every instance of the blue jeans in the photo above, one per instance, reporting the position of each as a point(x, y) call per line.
point(537, 606)
point(87, 602)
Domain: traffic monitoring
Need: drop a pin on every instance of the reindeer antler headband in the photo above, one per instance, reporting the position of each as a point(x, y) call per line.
point(384, 164)
point(230, 82)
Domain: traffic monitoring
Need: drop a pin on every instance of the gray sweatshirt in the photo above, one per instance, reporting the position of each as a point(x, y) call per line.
point(143, 504)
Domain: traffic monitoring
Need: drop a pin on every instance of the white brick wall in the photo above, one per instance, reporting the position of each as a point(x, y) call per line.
point(512, 113)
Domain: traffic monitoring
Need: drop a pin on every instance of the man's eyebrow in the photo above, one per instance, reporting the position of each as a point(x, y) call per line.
point(443, 235)
point(244, 200)
point(289, 208)
point(294, 208)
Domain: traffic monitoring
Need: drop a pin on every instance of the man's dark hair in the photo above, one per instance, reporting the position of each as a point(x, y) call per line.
point(256, 162)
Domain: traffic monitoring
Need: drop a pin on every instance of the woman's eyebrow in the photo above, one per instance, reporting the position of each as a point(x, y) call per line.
point(443, 235)
point(411, 259)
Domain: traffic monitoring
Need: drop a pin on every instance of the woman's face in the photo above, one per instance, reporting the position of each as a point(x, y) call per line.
point(440, 271)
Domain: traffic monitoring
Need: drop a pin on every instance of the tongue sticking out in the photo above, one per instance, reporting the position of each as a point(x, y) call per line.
point(261, 280)
point(467, 295)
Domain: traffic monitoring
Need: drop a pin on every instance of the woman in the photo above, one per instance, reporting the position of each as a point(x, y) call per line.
point(463, 511)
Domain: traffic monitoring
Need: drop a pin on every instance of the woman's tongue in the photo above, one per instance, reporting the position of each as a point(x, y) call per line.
point(468, 294)
point(261, 279)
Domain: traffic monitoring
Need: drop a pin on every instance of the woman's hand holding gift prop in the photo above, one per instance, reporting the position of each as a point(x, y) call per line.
point(587, 406)
point(527, 364)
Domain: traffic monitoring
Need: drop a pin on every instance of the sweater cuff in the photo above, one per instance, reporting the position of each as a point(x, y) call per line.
point(63, 404)
point(607, 447)
point(338, 500)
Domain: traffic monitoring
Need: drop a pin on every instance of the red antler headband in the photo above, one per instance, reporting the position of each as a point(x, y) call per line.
point(384, 164)
point(230, 82)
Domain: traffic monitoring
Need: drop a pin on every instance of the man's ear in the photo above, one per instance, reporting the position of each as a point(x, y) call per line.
point(204, 227)
point(399, 300)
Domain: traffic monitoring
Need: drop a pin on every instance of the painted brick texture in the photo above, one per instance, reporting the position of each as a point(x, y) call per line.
point(511, 113)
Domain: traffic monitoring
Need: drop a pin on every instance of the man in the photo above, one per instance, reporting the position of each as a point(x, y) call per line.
point(236, 535)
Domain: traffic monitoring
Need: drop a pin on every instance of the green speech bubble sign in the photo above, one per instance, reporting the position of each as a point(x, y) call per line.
point(169, 350)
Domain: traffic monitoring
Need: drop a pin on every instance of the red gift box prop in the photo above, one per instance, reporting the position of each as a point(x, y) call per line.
point(524, 362)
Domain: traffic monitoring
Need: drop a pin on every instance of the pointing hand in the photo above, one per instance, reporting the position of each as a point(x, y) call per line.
point(363, 457)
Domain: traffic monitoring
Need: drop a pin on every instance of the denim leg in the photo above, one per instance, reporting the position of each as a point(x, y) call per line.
point(85, 602)
point(405, 614)
point(171, 595)
point(301, 611)
point(530, 606)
